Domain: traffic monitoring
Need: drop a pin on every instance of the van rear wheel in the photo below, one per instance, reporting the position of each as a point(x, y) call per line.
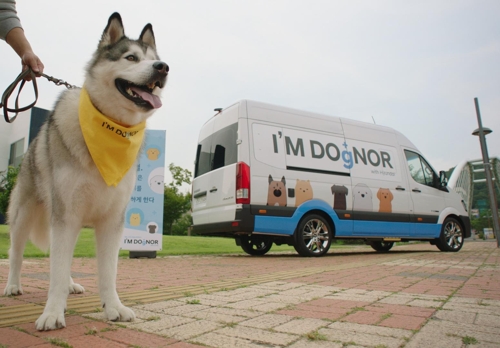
point(256, 245)
point(382, 246)
point(452, 235)
point(313, 236)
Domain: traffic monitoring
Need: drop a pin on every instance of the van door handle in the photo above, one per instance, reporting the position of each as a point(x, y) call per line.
point(400, 188)
point(200, 194)
point(416, 190)
point(213, 190)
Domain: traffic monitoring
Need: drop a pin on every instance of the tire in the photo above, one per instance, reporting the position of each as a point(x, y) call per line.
point(313, 236)
point(256, 245)
point(452, 235)
point(382, 246)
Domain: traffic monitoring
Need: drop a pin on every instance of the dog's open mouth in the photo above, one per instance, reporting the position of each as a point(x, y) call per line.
point(141, 95)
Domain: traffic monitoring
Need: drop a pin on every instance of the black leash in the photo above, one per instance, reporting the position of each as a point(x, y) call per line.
point(21, 78)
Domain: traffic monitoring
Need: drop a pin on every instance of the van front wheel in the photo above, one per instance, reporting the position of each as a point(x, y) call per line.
point(313, 236)
point(256, 245)
point(452, 235)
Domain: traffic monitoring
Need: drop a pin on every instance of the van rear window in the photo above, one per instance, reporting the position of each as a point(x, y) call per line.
point(217, 151)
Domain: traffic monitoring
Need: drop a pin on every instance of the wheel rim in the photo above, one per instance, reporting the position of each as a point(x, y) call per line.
point(315, 235)
point(453, 235)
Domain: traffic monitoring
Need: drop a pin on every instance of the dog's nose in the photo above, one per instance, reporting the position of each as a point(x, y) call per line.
point(277, 193)
point(162, 67)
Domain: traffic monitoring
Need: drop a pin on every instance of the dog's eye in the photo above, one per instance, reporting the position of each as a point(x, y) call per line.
point(131, 58)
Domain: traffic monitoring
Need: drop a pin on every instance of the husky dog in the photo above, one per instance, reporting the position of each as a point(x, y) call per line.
point(61, 187)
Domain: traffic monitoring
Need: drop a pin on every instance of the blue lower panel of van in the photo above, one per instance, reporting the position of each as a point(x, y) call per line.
point(381, 228)
point(275, 224)
point(420, 230)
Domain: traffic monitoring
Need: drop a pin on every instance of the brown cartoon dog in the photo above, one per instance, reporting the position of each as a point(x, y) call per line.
point(385, 196)
point(339, 193)
point(276, 195)
point(303, 192)
point(153, 154)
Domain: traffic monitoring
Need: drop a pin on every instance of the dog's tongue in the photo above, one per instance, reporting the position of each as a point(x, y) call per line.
point(150, 98)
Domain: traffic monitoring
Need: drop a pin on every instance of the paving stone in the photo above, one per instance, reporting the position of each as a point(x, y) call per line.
point(301, 326)
point(403, 322)
point(160, 307)
point(270, 306)
point(267, 321)
point(425, 303)
point(472, 308)
point(180, 310)
point(305, 343)
point(216, 317)
point(455, 316)
point(137, 338)
point(189, 330)
point(159, 325)
point(258, 335)
point(369, 340)
point(12, 338)
point(488, 320)
point(230, 311)
point(371, 329)
point(222, 341)
point(287, 299)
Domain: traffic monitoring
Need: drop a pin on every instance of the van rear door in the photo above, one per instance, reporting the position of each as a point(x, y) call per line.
point(214, 185)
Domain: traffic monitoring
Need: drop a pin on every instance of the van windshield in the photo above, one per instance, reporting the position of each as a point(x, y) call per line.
point(217, 150)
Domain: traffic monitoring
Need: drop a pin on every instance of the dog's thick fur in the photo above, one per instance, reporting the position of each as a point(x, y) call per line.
point(59, 188)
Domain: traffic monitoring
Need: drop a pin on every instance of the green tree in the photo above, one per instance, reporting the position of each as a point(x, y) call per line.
point(181, 226)
point(7, 181)
point(176, 203)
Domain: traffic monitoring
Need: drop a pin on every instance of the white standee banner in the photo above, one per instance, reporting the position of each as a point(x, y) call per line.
point(143, 229)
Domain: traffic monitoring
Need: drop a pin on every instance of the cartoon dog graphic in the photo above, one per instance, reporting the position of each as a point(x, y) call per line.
point(303, 192)
point(135, 219)
point(339, 193)
point(385, 197)
point(362, 198)
point(153, 153)
point(276, 195)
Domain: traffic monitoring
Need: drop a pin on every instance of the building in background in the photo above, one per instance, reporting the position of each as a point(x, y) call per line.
point(15, 138)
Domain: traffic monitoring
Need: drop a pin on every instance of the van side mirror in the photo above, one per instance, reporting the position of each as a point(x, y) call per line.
point(443, 180)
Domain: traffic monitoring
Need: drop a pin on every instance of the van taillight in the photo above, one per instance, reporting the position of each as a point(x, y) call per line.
point(242, 183)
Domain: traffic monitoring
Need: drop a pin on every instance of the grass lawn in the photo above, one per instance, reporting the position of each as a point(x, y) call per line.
point(172, 245)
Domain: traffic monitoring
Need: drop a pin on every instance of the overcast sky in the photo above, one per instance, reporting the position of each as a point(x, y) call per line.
point(415, 66)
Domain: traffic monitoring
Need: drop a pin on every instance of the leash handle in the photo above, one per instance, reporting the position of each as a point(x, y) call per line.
point(6, 95)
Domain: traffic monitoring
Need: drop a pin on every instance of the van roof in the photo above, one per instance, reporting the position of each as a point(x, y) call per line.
point(252, 103)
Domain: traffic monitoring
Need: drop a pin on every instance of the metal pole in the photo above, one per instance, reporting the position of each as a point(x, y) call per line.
point(487, 171)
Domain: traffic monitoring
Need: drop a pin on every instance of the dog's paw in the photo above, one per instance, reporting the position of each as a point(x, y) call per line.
point(119, 313)
point(75, 288)
point(13, 289)
point(50, 321)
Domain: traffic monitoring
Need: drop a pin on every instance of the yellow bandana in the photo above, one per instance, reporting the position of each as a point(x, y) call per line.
point(113, 147)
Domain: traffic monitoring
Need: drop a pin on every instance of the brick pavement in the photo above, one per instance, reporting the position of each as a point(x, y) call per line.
point(413, 296)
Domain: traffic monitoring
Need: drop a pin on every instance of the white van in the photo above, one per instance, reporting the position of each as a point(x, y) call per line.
point(266, 174)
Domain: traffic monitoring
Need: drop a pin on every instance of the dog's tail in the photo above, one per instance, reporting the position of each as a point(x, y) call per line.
point(40, 229)
point(28, 218)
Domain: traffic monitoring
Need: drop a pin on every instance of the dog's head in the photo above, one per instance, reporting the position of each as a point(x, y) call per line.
point(125, 77)
point(385, 195)
point(276, 188)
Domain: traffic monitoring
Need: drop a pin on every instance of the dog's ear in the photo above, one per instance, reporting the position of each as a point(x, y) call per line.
point(147, 36)
point(283, 180)
point(270, 179)
point(113, 32)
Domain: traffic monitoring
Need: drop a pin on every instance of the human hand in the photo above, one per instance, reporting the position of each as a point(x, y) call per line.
point(30, 59)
